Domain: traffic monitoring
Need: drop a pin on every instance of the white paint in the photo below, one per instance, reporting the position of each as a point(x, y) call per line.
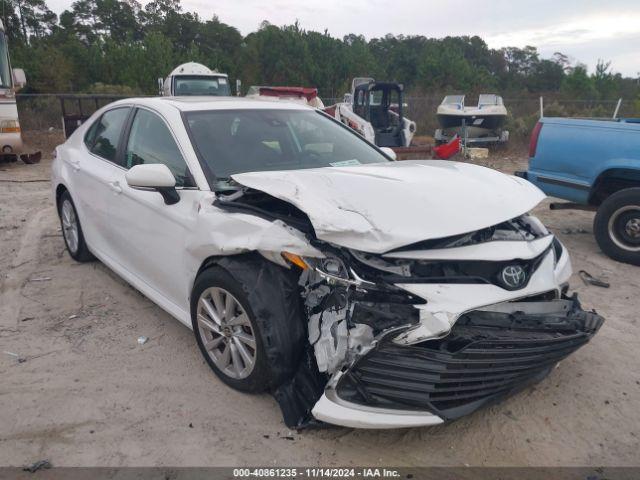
point(9, 113)
point(150, 176)
point(354, 416)
point(187, 69)
point(380, 207)
point(446, 302)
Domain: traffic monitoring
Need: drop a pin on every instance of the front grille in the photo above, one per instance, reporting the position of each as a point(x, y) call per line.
point(487, 356)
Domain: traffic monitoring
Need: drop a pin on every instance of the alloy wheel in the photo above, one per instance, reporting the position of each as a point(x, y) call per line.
point(69, 225)
point(226, 332)
point(624, 227)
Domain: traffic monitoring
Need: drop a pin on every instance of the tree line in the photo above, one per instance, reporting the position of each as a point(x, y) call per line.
point(119, 46)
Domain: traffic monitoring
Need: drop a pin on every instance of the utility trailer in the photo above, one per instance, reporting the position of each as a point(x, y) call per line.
point(76, 109)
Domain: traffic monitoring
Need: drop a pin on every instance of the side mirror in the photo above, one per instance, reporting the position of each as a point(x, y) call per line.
point(389, 152)
point(19, 78)
point(154, 176)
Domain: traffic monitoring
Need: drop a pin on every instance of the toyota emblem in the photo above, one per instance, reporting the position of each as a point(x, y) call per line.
point(513, 276)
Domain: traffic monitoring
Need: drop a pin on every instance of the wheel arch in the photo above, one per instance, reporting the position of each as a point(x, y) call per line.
point(222, 261)
point(60, 189)
point(611, 181)
point(274, 296)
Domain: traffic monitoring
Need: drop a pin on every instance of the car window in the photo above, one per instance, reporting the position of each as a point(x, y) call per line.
point(107, 133)
point(150, 141)
point(90, 136)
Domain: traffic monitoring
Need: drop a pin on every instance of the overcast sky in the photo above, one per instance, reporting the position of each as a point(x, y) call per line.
point(583, 29)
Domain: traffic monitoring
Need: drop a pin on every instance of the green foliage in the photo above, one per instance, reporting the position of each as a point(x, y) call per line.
point(555, 110)
point(521, 126)
point(120, 44)
point(578, 84)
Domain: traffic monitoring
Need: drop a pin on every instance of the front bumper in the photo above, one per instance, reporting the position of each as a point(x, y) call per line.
point(489, 354)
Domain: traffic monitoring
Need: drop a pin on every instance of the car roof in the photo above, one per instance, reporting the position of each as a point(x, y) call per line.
point(196, 103)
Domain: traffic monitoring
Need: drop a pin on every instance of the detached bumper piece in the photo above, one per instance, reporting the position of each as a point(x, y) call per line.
point(487, 356)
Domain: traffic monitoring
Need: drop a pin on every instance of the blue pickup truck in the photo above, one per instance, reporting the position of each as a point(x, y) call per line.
point(595, 165)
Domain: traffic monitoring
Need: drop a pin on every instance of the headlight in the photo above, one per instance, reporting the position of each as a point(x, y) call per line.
point(331, 268)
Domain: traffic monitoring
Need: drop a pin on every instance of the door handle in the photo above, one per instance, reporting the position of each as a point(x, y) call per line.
point(115, 187)
point(75, 164)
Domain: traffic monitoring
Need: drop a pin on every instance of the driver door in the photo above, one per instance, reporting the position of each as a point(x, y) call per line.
point(149, 235)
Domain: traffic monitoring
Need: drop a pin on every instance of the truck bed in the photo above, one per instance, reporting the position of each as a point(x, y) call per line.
point(572, 153)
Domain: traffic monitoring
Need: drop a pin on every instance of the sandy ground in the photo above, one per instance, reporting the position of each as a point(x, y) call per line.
point(88, 394)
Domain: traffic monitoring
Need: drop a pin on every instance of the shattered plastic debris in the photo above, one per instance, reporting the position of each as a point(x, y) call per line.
point(142, 340)
point(571, 231)
point(589, 279)
point(39, 465)
point(17, 357)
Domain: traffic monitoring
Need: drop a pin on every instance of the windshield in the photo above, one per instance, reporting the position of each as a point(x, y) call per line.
point(236, 141)
point(201, 85)
point(5, 69)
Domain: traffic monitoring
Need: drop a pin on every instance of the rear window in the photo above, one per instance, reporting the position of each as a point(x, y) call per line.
point(103, 137)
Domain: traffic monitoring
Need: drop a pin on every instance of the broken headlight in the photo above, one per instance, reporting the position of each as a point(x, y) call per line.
point(336, 271)
point(331, 268)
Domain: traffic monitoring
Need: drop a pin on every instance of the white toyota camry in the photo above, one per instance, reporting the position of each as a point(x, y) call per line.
point(359, 290)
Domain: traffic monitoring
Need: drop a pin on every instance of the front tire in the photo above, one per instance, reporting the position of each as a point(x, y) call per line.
point(617, 226)
point(247, 323)
point(72, 230)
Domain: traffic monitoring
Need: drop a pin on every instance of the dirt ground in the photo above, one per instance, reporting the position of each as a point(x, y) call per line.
point(83, 392)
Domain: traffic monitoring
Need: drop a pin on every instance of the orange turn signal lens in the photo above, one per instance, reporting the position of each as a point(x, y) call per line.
point(295, 259)
point(9, 126)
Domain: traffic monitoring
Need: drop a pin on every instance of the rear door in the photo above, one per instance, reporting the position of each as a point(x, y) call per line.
point(150, 236)
point(94, 172)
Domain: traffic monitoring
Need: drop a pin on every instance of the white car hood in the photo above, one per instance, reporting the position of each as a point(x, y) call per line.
point(379, 207)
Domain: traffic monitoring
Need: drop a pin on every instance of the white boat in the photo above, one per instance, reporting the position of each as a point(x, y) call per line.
point(481, 123)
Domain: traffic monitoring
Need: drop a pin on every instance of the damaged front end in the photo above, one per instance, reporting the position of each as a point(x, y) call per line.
point(401, 342)
point(488, 355)
point(423, 333)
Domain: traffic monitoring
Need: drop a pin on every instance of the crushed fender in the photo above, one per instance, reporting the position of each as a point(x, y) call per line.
point(297, 396)
point(342, 324)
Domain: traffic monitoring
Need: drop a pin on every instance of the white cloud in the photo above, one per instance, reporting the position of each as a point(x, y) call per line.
point(573, 32)
point(577, 28)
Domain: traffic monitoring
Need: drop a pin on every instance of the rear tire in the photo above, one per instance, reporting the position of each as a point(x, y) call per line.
point(72, 230)
point(617, 226)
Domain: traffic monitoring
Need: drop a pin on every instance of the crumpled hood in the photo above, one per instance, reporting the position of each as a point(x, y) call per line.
point(379, 207)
